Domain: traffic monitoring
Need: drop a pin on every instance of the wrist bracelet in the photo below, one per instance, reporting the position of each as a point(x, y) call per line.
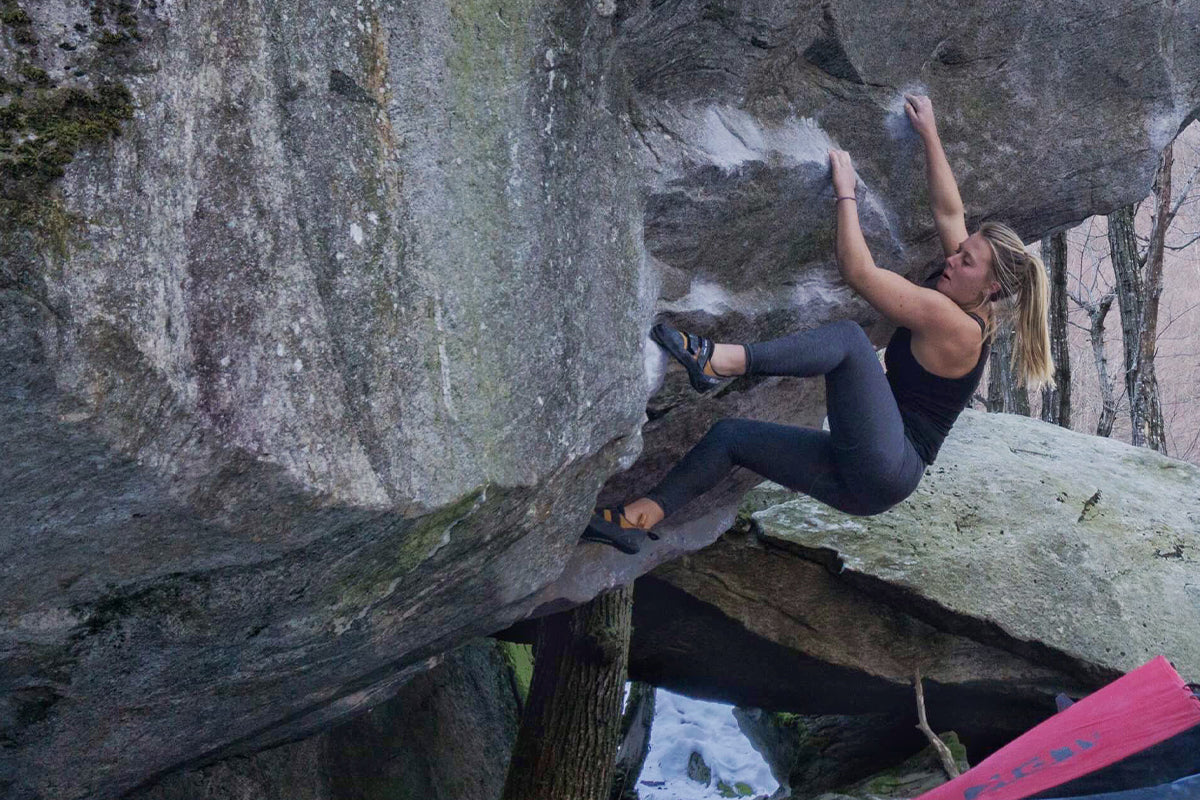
point(847, 197)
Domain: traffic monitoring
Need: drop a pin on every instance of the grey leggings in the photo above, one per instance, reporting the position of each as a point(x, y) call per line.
point(863, 465)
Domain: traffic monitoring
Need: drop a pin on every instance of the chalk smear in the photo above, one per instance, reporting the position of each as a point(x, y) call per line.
point(729, 137)
point(895, 119)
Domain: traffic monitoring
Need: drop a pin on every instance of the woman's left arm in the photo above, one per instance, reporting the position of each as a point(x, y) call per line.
point(894, 296)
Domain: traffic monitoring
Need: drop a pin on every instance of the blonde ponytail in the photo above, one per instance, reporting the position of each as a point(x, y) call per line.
point(1022, 278)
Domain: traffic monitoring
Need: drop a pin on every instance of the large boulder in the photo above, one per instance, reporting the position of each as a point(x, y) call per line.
point(309, 375)
point(739, 216)
point(1031, 560)
point(914, 776)
point(446, 735)
point(812, 754)
point(1072, 550)
point(316, 369)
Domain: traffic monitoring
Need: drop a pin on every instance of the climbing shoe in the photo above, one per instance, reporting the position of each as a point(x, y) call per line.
point(690, 350)
point(611, 526)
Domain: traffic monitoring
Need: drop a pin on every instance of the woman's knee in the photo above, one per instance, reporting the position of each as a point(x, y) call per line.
point(729, 426)
point(727, 431)
point(867, 505)
point(878, 498)
point(849, 330)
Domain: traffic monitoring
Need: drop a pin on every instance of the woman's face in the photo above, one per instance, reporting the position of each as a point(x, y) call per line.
point(967, 278)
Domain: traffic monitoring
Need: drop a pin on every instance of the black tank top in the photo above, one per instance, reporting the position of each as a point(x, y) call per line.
point(928, 403)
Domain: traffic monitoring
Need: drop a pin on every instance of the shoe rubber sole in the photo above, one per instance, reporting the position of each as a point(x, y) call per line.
point(624, 539)
point(668, 339)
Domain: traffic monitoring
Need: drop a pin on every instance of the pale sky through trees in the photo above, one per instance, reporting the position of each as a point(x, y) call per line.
point(1178, 355)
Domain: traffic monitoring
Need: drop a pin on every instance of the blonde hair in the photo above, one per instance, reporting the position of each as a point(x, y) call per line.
point(1024, 296)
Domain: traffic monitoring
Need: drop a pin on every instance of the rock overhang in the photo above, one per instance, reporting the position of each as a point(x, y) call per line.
point(382, 186)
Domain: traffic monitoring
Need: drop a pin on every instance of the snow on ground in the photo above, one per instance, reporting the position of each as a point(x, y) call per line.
point(683, 726)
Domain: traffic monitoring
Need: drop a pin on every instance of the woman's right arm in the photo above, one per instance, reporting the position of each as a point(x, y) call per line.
point(947, 205)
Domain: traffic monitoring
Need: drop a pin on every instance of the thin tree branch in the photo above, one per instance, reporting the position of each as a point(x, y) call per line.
point(1171, 321)
point(1183, 246)
point(1187, 188)
point(923, 725)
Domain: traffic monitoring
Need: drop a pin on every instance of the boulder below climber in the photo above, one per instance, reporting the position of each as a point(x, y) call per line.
point(1031, 560)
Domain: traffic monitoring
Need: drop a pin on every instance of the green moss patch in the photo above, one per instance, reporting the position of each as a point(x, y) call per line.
point(116, 22)
point(738, 789)
point(43, 125)
point(42, 128)
point(12, 14)
point(34, 75)
point(520, 660)
point(18, 21)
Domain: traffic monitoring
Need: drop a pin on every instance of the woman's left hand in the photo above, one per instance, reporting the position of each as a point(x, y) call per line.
point(844, 178)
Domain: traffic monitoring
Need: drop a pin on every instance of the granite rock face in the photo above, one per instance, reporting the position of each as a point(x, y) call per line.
point(316, 369)
point(320, 376)
point(739, 216)
point(446, 735)
point(812, 754)
point(1041, 536)
point(1031, 560)
point(911, 778)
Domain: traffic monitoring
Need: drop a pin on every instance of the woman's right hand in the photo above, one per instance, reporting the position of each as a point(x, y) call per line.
point(844, 178)
point(920, 113)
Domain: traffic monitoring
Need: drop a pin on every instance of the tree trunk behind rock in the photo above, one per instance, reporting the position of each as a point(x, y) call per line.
point(634, 742)
point(1149, 419)
point(1139, 284)
point(567, 743)
point(1108, 401)
point(1004, 395)
point(1056, 400)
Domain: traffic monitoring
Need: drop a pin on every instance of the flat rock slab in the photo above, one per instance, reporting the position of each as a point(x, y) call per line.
point(1071, 549)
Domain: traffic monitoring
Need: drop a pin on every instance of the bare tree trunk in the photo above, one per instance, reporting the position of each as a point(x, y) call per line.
point(1003, 392)
point(1108, 401)
point(1056, 400)
point(1149, 402)
point(635, 741)
point(1139, 285)
point(567, 744)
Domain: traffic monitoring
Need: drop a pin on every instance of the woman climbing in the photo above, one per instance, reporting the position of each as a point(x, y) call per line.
point(884, 428)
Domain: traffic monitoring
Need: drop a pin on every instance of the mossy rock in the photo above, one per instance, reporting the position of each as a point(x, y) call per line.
point(738, 789)
point(51, 124)
point(916, 775)
point(520, 660)
point(41, 130)
point(14, 15)
point(790, 721)
point(698, 770)
point(34, 75)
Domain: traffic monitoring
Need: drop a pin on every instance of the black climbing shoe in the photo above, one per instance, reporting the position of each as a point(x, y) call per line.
point(610, 526)
point(690, 350)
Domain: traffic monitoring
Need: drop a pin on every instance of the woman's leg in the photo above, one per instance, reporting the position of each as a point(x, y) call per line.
point(799, 458)
point(864, 464)
point(865, 426)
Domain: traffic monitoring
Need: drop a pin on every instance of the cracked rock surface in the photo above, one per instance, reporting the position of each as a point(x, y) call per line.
point(317, 368)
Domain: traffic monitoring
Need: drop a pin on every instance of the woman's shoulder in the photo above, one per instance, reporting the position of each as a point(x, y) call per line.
point(953, 352)
point(982, 324)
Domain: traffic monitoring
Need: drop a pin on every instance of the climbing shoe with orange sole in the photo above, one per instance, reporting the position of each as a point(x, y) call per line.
point(611, 526)
point(690, 350)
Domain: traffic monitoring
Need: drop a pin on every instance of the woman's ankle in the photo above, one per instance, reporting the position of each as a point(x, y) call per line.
point(728, 361)
point(644, 512)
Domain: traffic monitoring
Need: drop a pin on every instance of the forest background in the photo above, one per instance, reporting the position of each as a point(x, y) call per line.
point(1090, 279)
